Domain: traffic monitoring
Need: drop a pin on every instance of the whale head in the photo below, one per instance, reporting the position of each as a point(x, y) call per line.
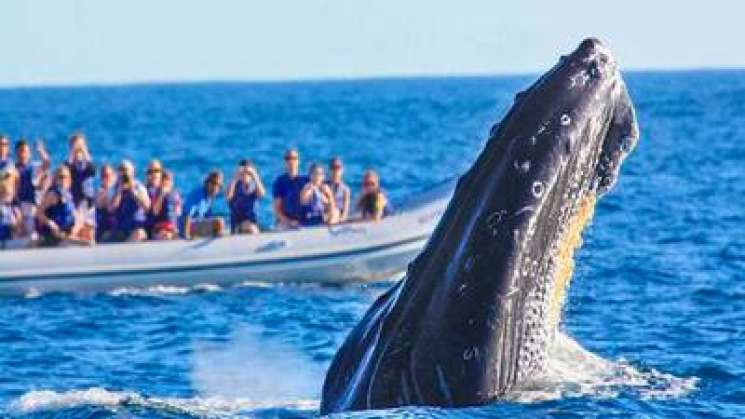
point(478, 307)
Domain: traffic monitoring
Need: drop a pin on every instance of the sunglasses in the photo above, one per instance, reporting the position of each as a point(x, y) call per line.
point(63, 177)
point(289, 158)
point(336, 166)
point(153, 171)
point(369, 183)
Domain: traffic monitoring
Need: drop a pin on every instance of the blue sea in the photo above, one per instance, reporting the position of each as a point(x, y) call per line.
point(654, 325)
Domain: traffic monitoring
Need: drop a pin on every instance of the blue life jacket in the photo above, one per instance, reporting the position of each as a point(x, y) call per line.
point(170, 211)
point(312, 212)
point(63, 212)
point(242, 206)
point(129, 215)
point(26, 189)
point(82, 174)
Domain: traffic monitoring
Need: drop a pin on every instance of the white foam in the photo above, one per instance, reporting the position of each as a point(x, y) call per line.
point(47, 400)
point(161, 290)
point(32, 293)
point(572, 371)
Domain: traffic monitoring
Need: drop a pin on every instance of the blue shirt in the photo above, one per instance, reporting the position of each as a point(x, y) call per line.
point(289, 189)
point(199, 206)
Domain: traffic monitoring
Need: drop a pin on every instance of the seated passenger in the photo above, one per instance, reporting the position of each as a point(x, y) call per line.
point(129, 205)
point(56, 218)
point(166, 209)
point(82, 169)
point(317, 200)
point(32, 177)
point(342, 193)
point(373, 203)
point(242, 194)
point(201, 217)
point(105, 219)
point(11, 221)
point(286, 192)
point(153, 179)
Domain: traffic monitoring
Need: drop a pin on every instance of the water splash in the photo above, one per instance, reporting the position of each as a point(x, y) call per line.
point(257, 366)
point(572, 371)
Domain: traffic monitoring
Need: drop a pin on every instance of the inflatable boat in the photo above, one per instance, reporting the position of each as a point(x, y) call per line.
point(355, 251)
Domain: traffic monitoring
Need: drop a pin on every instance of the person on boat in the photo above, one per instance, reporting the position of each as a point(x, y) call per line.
point(342, 193)
point(373, 203)
point(153, 180)
point(203, 207)
point(286, 192)
point(243, 192)
point(6, 162)
point(129, 205)
point(105, 218)
point(317, 203)
point(166, 209)
point(81, 167)
point(11, 219)
point(57, 217)
point(32, 178)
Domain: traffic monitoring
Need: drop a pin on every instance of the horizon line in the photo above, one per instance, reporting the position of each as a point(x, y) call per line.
point(330, 79)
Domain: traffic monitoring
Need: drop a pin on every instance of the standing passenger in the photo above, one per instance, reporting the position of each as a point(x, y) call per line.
point(286, 192)
point(81, 167)
point(166, 209)
point(342, 193)
point(31, 179)
point(317, 200)
point(242, 194)
point(130, 205)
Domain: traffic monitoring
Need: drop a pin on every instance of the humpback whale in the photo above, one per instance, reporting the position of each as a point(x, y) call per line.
point(474, 314)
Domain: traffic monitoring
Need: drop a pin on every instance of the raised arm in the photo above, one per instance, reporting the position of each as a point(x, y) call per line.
point(260, 189)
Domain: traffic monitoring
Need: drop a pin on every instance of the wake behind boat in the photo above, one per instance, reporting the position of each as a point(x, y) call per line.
point(330, 254)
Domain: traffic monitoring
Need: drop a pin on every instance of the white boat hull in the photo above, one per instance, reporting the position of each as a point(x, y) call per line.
point(337, 254)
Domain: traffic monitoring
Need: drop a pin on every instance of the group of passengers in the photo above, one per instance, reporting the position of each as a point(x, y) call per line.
point(39, 209)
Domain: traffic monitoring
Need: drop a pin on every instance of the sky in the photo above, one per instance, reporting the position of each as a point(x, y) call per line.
point(102, 41)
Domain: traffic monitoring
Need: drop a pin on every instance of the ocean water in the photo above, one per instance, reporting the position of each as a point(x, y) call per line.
point(654, 326)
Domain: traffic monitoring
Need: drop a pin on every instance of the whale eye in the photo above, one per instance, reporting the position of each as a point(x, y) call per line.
point(565, 120)
point(537, 189)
